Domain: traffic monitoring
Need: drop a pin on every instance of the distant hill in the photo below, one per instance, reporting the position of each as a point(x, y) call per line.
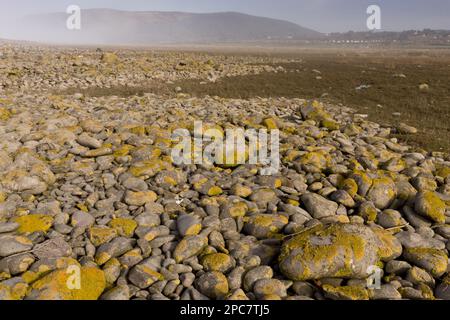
point(106, 26)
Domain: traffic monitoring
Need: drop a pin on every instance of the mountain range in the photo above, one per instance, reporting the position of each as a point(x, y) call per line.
point(114, 27)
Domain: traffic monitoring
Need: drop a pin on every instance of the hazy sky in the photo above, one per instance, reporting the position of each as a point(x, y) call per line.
point(321, 15)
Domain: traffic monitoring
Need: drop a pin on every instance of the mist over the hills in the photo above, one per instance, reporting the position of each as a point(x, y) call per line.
point(114, 27)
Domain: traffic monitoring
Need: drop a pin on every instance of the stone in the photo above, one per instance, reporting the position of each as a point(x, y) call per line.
point(442, 291)
point(267, 287)
point(189, 246)
point(124, 227)
point(264, 196)
point(417, 276)
point(255, 274)
point(264, 226)
point(16, 264)
point(318, 206)
point(82, 219)
point(89, 142)
point(188, 225)
point(13, 289)
point(237, 295)
point(89, 181)
point(368, 211)
point(415, 240)
point(340, 250)
point(135, 184)
point(54, 286)
point(386, 292)
point(52, 248)
point(113, 249)
point(432, 260)
point(10, 245)
point(397, 267)
point(91, 126)
point(118, 293)
point(99, 235)
point(140, 198)
point(406, 129)
point(342, 197)
point(34, 223)
point(213, 285)
point(7, 227)
point(218, 262)
point(345, 293)
point(382, 193)
point(429, 205)
point(390, 219)
point(144, 276)
point(241, 191)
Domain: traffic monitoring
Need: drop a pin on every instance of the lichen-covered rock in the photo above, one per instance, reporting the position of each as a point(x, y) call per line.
point(269, 287)
point(140, 198)
point(434, 261)
point(218, 262)
point(346, 293)
point(189, 225)
point(382, 192)
point(213, 285)
point(13, 289)
point(340, 250)
point(99, 235)
point(255, 274)
point(264, 226)
point(190, 246)
point(144, 276)
point(315, 161)
point(60, 285)
point(429, 205)
point(16, 264)
point(113, 249)
point(34, 223)
point(389, 247)
point(124, 226)
point(264, 196)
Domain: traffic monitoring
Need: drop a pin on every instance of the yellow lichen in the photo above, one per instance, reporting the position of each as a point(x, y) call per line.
point(99, 235)
point(57, 284)
point(430, 256)
point(34, 223)
point(5, 114)
point(270, 123)
point(238, 210)
point(443, 172)
point(349, 245)
point(193, 229)
point(214, 191)
point(124, 227)
point(347, 292)
point(350, 186)
point(216, 262)
point(434, 207)
point(319, 160)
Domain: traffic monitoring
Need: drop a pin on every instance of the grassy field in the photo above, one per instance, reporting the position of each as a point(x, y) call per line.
point(391, 79)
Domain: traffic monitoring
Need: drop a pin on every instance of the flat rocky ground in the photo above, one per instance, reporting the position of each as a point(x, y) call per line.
point(88, 187)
